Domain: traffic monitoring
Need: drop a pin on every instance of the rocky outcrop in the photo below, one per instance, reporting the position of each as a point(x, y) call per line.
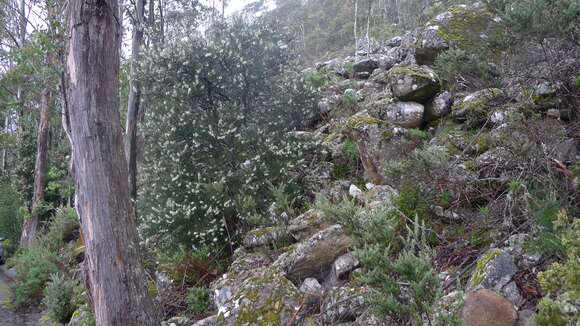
point(313, 257)
point(263, 299)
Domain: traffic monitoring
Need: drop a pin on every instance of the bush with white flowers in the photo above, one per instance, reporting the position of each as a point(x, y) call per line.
point(219, 113)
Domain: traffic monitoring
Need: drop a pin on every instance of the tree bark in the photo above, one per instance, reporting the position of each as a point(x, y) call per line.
point(368, 35)
point(355, 29)
point(30, 226)
point(133, 103)
point(116, 277)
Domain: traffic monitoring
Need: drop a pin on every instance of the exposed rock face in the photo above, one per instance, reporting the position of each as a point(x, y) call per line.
point(244, 265)
point(313, 258)
point(265, 237)
point(413, 83)
point(495, 270)
point(406, 114)
point(267, 299)
point(485, 308)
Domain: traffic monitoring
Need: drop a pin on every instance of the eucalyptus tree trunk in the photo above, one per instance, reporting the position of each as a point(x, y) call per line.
point(133, 103)
point(30, 226)
point(368, 35)
point(355, 29)
point(115, 276)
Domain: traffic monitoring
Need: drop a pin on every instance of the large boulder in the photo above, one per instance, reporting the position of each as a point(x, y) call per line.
point(367, 65)
point(477, 107)
point(438, 107)
point(313, 257)
point(486, 308)
point(413, 83)
point(264, 299)
point(244, 265)
point(469, 27)
point(405, 114)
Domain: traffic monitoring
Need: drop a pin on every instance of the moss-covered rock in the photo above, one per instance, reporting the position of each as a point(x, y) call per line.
point(314, 257)
point(476, 108)
point(263, 300)
point(414, 83)
point(494, 271)
point(267, 236)
point(469, 27)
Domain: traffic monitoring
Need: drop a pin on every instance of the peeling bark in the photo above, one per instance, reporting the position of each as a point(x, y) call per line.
point(116, 278)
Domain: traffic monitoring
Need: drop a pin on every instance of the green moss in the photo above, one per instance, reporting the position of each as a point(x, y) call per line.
point(418, 134)
point(470, 165)
point(466, 28)
point(357, 121)
point(479, 272)
point(480, 100)
point(259, 309)
point(388, 134)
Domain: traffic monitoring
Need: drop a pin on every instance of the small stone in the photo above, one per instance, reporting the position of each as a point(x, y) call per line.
point(311, 286)
point(553, 113)
point(345, 264)
point(356, 193)
point(486, 308)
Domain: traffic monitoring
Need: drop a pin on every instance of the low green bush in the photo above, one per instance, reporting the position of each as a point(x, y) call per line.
point(60, 297)
point(197, 300)
point(33, 269)
point(561, 282)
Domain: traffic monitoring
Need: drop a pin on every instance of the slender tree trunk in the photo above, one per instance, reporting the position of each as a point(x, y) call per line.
point(161, 22)
point(121, 13)
point(133, 104)
point(30, 227)
point(151, 23)
point(116, 278)
point(4, 151)
point(368, 35)
point(355, 29)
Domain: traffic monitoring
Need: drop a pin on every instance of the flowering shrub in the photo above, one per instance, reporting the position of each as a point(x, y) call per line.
point(220, 112)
